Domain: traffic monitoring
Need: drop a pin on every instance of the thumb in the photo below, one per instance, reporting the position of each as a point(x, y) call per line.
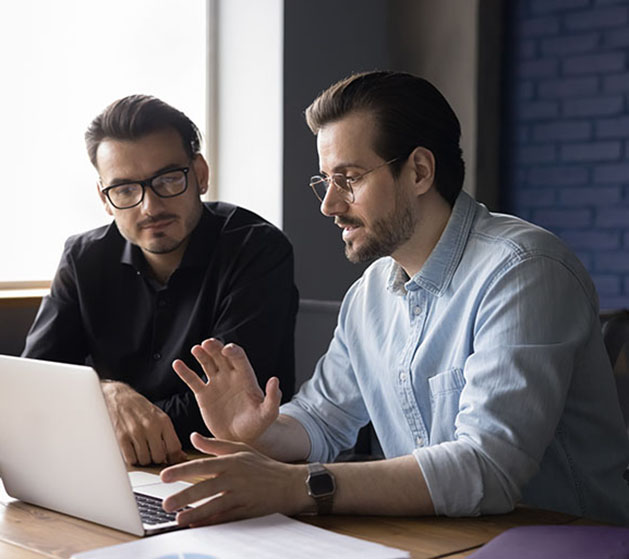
point(216, 447)
point(272, 399)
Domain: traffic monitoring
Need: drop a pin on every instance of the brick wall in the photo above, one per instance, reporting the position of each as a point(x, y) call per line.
point(569, 130)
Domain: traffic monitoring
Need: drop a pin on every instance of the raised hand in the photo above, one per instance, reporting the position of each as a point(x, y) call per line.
point(232, 403)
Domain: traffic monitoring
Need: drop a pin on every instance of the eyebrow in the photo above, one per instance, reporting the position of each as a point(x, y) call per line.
point(342, 167)
point(116, 181)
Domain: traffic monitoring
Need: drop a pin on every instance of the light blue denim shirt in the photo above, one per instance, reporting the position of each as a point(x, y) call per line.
point(488, 366)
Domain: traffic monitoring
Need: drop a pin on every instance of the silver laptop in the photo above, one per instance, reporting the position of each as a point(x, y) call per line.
point(58, 449)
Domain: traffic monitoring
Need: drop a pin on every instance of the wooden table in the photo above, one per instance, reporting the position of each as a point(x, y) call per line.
point(30, 532)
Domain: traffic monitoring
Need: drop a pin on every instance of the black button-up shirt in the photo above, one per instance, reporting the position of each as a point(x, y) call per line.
point(234, 283)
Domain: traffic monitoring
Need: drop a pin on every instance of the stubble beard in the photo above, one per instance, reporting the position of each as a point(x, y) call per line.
point(389, 233)
point(161, 243)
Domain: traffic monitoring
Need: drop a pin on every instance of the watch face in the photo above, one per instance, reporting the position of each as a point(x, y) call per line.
point(321, 484)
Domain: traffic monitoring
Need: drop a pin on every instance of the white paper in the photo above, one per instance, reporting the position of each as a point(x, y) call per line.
point(269, 537)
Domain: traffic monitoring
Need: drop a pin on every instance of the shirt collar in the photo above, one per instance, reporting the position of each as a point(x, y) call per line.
point(202, 241)
point(436, 274)
point(132, 255)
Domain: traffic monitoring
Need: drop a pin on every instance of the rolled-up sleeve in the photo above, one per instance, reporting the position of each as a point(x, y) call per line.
point(532, 322)
point(330, 405)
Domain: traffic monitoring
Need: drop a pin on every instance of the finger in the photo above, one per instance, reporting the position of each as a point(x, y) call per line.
point(237, 357)
point(205, 359)
point(140, 445)
point(172, 444)
point(206, 489)
point(199, 468)
point(185, 373)
point(177, 457)
point(272, 399)
point(128, 452)
point(217, 447)
point(156, 446)
point(214, 348)
point(211, 512)
point(228, 515)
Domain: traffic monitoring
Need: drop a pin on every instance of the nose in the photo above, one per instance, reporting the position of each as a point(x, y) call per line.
point(334, 202)
point(151, 203)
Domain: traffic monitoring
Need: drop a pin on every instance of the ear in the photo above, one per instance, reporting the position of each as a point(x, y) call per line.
point(423, 168)
point(104, 200)
point(201, 172)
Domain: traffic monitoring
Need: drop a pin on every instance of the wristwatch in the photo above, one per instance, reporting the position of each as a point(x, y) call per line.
point(321, 486)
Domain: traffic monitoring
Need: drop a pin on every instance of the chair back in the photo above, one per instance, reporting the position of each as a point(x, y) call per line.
point(615, 329)
point(316, 321)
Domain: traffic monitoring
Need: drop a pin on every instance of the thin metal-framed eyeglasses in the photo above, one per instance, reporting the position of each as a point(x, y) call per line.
point(166, 184)
point(343, 183)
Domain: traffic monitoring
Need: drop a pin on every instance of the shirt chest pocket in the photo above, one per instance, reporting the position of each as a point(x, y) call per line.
point(445, 392)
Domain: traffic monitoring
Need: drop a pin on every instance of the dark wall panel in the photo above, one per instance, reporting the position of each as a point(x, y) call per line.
point(324, 42)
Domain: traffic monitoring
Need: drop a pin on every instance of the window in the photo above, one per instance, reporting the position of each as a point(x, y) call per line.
point(62, 63)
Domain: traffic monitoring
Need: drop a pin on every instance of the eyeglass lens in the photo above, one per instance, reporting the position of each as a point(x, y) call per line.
point(167, 185)
point(320, 186)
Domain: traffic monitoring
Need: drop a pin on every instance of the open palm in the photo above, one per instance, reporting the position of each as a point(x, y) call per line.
point(232, 403)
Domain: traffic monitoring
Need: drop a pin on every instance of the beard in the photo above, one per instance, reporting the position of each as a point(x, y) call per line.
point(162, 242)
point(389, 233)
point(163, 245)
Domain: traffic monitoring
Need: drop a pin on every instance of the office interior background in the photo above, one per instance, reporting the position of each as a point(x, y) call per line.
point(541, 88)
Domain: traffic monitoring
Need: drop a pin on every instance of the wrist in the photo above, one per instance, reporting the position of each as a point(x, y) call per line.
point(114, 389)
point(321, 487)
point(110, 384)
point(265, 442)
point(302, 503)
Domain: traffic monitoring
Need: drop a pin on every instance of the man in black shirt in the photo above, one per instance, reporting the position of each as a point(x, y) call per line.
point(168, 272)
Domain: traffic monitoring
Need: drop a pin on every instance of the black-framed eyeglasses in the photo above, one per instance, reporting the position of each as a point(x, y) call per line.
point(166, 184)
point(343, 183)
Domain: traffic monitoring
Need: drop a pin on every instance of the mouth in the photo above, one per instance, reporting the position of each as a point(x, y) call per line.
point(349, 228)
point(349, 231)
point(157, 224)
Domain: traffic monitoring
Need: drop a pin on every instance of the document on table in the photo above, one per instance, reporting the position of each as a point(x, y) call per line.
point(269, 537)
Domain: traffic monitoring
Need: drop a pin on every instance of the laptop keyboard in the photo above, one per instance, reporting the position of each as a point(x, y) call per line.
point(151, 510)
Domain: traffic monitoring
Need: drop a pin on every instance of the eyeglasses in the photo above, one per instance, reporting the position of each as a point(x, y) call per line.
point(167, 184)
point(343, 183)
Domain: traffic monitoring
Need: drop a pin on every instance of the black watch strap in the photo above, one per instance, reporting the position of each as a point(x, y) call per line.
point(321, 487)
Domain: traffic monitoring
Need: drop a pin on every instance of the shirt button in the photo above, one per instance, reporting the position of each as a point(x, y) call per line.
point(419, 441)
point(157, 356)
point(417, 311)
point(403, 376)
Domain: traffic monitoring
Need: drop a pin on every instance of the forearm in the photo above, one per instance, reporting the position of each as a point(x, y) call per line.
point(232, 472)
point(285, 440)
point(394, 487)
point(391, 487)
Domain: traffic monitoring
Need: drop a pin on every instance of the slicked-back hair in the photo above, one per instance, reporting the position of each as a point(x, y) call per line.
point(135, 116)
point(409, 112)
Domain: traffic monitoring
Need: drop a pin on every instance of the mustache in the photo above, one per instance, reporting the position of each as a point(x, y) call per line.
point(155, 219)
point(348, 222)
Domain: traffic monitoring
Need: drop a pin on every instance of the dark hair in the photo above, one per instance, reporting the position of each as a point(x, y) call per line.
point(409, 112)
point(135, 116)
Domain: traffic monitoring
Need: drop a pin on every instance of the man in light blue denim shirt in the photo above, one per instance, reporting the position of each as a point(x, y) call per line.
point(472, 343)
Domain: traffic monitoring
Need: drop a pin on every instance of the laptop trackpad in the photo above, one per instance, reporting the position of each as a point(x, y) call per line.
point(151, 484)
